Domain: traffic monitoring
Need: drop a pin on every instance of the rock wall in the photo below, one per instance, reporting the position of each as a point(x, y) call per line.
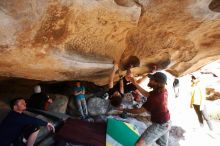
point(66, 40)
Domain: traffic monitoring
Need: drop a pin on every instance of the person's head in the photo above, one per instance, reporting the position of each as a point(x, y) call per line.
point(116, 94)
point(157, 80)
point(128, 74)
point(176, 82)
point(78, 83)
point(116, 101)
point(193, 78)
point(152, 68)
point(37, 89)
point(18, 104)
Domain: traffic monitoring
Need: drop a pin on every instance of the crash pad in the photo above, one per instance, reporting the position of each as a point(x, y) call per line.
point(120, 133)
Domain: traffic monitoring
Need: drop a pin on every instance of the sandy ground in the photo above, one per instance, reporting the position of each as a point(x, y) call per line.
point(186, 130)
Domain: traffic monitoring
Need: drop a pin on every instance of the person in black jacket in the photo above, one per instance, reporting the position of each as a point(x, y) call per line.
point(20, 129)
point(39, 100)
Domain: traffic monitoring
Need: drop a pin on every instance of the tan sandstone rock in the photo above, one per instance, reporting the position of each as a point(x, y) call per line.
point(67, 40)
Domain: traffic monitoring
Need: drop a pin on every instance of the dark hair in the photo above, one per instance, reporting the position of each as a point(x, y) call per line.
point(13, 102)
point(193, 77)
point(116, 101)
point(176, 82)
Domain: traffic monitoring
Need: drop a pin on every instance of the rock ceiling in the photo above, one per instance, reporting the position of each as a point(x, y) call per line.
point(78, 39)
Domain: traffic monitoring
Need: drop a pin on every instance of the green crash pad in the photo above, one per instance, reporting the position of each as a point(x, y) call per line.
point(121, 133)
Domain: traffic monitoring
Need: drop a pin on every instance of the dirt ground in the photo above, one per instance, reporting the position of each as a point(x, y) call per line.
point(186, 129)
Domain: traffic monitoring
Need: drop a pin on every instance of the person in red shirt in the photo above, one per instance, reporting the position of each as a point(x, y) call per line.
point(156, 105)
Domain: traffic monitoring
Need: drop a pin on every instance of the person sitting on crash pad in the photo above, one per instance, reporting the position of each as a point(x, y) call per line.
point(19, 129)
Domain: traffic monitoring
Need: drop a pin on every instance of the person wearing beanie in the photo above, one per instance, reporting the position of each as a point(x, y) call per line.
point(156, 105)
point(39, 100)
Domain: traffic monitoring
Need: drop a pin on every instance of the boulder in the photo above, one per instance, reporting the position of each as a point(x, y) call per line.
point(68, 40)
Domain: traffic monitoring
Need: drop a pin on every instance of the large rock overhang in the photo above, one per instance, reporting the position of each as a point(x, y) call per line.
point(67, 40)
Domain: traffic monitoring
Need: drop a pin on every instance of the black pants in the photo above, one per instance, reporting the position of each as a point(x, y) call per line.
point(202, 115)
point(27, 131)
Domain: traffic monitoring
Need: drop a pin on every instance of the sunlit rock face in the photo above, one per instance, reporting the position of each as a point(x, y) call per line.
point(68, 40)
